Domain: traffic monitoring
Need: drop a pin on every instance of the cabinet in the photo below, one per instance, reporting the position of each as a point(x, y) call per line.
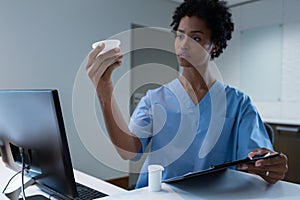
point(287, 141)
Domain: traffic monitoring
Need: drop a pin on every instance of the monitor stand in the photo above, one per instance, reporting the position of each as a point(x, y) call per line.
point(35, 197)
point(14, 192)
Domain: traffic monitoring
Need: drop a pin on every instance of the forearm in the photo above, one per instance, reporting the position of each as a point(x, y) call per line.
point(125, 142)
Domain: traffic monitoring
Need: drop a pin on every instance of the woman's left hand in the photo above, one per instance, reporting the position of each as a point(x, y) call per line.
point(272, 169)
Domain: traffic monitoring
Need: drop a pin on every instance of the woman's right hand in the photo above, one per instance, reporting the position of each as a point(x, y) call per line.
point(100, 67)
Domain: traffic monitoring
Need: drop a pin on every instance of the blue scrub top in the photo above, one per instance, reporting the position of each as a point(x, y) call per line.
point(184, 137)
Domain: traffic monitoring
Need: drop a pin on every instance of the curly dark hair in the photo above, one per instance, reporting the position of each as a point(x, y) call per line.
point(216, 15)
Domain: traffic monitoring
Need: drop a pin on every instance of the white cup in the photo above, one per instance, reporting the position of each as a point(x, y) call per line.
point(109, 44)
point(154, 177)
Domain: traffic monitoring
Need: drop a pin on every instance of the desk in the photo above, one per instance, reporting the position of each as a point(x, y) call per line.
point(231, 184)
point(92, 182)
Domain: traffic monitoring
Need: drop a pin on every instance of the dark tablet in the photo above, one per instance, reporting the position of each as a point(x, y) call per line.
point(221, 167)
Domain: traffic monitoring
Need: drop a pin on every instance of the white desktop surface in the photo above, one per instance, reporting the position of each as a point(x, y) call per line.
point(229, 185)
point(92, 182)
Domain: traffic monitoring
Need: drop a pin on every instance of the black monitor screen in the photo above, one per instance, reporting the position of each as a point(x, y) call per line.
point(32, 120)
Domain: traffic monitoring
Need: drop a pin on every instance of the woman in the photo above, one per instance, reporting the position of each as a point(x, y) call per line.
point(194, 121)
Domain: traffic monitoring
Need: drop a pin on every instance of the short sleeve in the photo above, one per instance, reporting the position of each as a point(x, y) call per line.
point(141, 122)
point(252, 132)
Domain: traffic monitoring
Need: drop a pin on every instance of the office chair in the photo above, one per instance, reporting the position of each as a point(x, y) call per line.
point(270, 131)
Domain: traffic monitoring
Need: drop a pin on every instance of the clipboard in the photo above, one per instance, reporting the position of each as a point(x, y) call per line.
point(221, 167)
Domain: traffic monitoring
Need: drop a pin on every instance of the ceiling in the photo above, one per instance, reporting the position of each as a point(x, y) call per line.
point(230, 2)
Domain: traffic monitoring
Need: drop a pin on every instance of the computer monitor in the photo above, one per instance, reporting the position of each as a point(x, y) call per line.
point(33, 120)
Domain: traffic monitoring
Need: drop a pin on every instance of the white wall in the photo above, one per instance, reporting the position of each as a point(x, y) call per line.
point(43, 43)
point(262, 14)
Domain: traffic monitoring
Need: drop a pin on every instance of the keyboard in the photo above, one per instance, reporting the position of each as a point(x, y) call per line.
point(84, 192)
point(87, 193)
